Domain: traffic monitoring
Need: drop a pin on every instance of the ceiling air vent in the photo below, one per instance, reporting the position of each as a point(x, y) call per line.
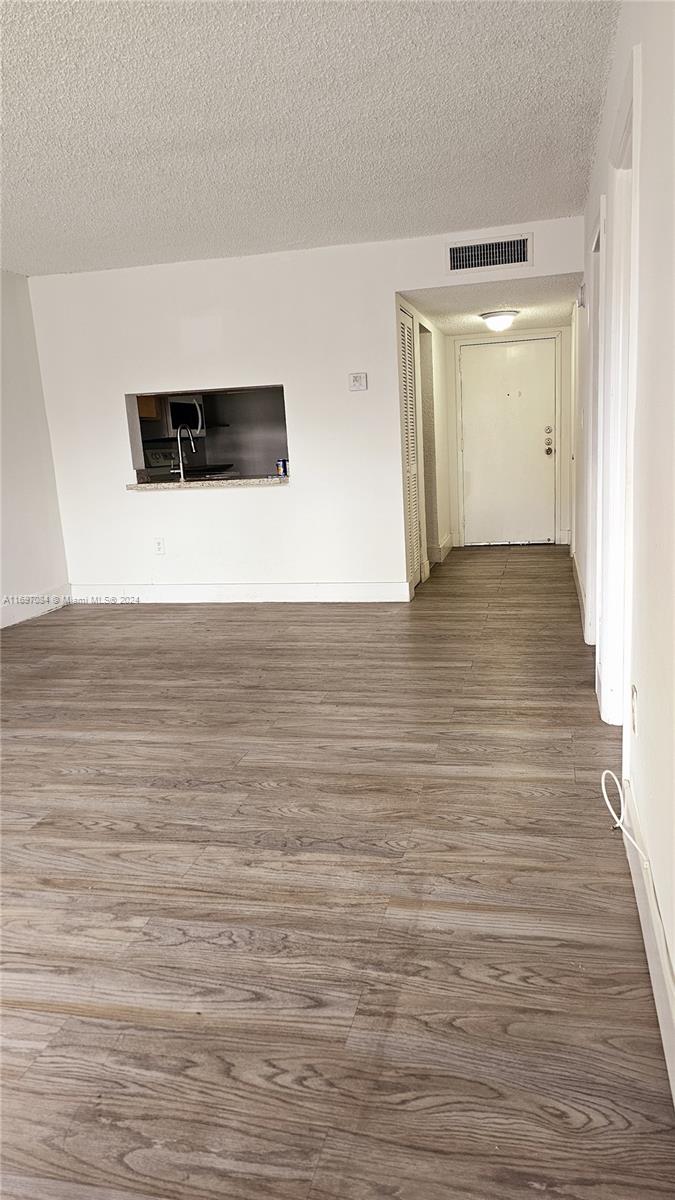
point(472, 256)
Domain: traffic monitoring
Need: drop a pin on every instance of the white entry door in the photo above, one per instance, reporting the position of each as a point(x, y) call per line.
point(508, 433)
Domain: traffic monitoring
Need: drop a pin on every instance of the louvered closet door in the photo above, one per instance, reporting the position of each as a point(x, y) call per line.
point(412, 516)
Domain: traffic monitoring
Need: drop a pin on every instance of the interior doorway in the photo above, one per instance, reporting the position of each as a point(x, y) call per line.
point(508, 441)
point(433, 327)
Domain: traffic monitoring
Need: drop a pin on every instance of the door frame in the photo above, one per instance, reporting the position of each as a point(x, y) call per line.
point(429, 440)
point(562, 435)
point(617, 393)
point(409, 312)
point(593, 354)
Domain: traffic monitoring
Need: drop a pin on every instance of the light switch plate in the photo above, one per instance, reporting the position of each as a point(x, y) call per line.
point(358, 382)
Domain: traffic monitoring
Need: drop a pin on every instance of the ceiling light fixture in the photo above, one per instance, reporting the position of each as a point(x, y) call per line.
point(499, 321)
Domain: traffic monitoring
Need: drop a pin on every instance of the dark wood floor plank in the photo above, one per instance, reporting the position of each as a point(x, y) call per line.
point(365, 1166)
point(23, 1035)
point(31, 1187)
point(328, 908)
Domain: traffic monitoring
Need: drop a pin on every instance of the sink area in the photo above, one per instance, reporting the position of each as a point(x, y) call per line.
point(222, 471)
point(216, 473)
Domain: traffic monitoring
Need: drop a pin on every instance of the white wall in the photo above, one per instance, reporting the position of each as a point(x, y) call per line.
point(304, 319)
point(649, 752)
point(33, 557)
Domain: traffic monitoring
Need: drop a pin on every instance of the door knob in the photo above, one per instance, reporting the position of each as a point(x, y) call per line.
point(549, 449)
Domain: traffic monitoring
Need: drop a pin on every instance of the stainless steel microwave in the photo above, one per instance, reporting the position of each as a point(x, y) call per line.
point(185, 410)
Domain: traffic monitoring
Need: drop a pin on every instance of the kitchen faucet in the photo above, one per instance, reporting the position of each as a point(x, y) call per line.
point(180, 448)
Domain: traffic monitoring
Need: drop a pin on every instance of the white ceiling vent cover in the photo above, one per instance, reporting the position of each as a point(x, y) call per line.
point(485, 256)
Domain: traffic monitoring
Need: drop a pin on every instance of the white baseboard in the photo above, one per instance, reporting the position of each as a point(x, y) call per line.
point(25, 608)
point(580, 592)
point(611, 711)
point(588, 638)
point(438, 554)
point(658, 959)
point(242, 593)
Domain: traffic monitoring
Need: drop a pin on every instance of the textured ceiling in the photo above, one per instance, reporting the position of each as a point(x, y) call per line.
point(541, 302)
point(141, 132)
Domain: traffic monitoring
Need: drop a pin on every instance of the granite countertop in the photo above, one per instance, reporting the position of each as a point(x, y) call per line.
point(173, 485)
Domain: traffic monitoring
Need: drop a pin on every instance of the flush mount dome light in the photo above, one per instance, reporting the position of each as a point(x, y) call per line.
point(499, 321)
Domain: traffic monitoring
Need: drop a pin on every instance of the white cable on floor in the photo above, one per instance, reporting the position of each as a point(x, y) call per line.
point(619, 821)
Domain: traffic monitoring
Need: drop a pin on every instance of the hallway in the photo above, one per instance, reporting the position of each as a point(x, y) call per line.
point(321, 902)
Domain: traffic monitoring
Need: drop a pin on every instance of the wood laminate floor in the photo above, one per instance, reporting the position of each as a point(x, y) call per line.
point(321, 902)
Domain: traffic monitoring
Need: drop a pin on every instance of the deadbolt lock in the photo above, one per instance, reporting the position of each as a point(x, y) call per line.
point(549, 450)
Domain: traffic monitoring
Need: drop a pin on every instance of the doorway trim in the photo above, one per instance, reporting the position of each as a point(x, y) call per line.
point(616, 414)
point(592, 349)
point(562, 434)
point(404, 312)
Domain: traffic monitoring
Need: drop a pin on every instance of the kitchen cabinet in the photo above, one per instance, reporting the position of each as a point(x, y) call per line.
point(150, 408)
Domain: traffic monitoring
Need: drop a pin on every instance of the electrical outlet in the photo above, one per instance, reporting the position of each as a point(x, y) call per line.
point(358, 382)
point(160, 548)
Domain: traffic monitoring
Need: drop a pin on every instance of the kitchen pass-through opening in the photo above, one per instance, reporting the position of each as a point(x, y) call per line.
point(225, 433)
